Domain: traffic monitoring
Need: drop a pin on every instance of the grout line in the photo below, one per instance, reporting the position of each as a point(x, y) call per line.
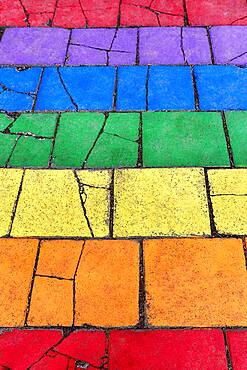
point(245, 251)
point(112, 205)
point(16, 204)
point(114, 107)
point(37, 90)
point(54, 141)
point(186, 17)
point(138, 47)
point(210, 45)
point(210, 205)
point(142, 291)
point(196, 94)
point(32, 284)
point(67, 48)
point(227, 349)
point(228, 141)
point(147, 82)
point(140, 144)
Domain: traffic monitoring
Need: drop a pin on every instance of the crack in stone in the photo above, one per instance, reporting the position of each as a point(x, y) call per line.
point(238, 56)
point(5, 88)
point(182, 45)
point(101, 49)
point(83, 198)
point(238, 19)
point(155, 10)
point(96, 140)
point(84, 14)
point(26, 13)
point(121, 137)
point(66, 89)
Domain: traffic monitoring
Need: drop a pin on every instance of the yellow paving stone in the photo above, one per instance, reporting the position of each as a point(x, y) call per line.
point(10, 180)
point(59, 257)
point(51, 302)
point(17, 259)
point(228, 181)
point(153, 201)
point(228, 189)
point(196, 282)
point(98, 178)
point(107, 283)
point(97, 199)
point(50, 205)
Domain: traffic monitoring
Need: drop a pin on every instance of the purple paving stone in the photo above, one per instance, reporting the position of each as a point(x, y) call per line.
point(89, 46)
point(124, 47)
point(160, 45)
point(32, 46)
point(196, 45)
point(229, 44)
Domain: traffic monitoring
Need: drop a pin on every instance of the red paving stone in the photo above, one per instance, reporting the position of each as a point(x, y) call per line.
point(19, 349)
point(237, 342)
point(196, 349)
point(105, 13)
point(167, 349)
point(217, 12)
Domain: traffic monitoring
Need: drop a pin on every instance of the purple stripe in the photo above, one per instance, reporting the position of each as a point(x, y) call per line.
point(124, 46)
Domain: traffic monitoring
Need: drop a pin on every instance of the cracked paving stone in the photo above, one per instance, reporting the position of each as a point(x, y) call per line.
point(102, 46)
point(51, 302)
point(183, 139)
point(152, 13)
point(229, 44)
point(92, 140)
point(10, 183)
point(170, 87)
point(107, 284)
point(20, 149)
point(47, 349)
point(19, 349)
point(131, 89)
point(85, 88)
point(17, 88)
point(91, 13)
point(237, 128)
point(228, 189)
point(217, 12)
point(167, 349)
point(155, 202)
point(221, 87)
point(33, 46)
point(59, 258)
point(212, 289)
point(237, 342)
point(17, 258)
point(75, 136)
point(165, 46)
point(52, 203)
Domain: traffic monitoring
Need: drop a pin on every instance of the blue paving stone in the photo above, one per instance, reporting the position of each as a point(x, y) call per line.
point(170, 88)
point(82, 88)
point(17, 88)
point(131, 91)
point(221, 87)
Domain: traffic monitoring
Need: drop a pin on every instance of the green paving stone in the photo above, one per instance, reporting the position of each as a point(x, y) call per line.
point(117, 146)
point(237, 128)
point(184, 139)
point(37, 124)
point(7, 143)
point(5, 121)
point(31, 152)
point(75, 137)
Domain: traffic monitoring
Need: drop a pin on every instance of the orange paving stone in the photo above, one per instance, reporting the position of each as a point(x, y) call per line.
point(107, 284)
point(51, 303)
point(196, 282)
point(59, 257)
point(17, 258)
